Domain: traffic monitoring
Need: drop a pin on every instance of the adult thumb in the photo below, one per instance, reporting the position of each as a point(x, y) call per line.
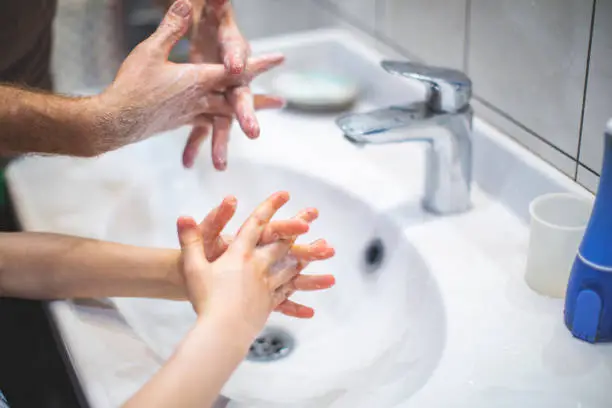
point(174, 26)
point(194, 258)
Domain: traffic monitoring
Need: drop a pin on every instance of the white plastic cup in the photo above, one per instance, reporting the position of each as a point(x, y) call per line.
point(558, 222)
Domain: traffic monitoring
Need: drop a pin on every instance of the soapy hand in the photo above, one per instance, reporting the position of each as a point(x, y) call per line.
point(216, 38)
point(242, 281)
point(299, 255)
point(151, 94)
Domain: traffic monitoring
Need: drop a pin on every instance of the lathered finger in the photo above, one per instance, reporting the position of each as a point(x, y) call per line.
point(251, 231)
point(315, 251)
point(293, 309)
point(307, 215)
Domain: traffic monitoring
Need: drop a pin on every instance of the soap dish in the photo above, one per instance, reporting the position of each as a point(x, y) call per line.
point(315, 91)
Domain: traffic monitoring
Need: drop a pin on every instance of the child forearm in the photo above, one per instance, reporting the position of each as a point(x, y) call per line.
point(195, 374)
point(50, 266)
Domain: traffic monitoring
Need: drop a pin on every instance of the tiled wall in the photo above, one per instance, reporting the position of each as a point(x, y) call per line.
point(542, 69)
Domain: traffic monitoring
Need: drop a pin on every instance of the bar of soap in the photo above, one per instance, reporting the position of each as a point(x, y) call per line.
point(315, 90)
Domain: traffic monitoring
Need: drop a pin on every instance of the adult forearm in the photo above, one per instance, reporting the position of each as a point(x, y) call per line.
point(32, 122)
point(52, 266)
point(195, 374)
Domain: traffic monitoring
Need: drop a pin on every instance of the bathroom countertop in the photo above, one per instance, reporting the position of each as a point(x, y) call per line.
point(505, 346)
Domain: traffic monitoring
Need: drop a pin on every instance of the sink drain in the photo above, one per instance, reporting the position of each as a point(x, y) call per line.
point(272, 344)
point(374, 255)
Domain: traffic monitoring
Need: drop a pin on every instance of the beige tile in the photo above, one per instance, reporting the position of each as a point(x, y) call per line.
point(528, 59)
point(588, 179)
point(431, 30)
point(599, 92)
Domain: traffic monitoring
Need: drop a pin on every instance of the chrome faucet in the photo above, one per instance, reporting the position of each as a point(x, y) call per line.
point(448, 173)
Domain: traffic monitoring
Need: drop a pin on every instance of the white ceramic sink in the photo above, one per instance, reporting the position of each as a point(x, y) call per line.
point(446, 321)
point(381, 322)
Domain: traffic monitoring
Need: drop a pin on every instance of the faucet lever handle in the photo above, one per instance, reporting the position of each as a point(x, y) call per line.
point(450, 90)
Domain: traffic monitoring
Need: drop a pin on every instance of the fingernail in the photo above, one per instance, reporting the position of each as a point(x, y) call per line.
point(253, 128)
point(221, 163)
point(181, 8)
point(233, 63)
point(232, 201)
point(236, 68)
point(188, 159)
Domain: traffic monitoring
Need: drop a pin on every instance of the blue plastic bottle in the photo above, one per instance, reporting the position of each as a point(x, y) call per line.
point(588, 301)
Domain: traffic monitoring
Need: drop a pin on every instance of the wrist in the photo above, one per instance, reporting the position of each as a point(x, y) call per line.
point(230, 324)
point(235, 339)
point(172, 277)
point(105, 124)
point(94, 124)
point(91, 125)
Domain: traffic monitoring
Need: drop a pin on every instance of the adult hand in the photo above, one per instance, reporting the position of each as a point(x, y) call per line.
point(216, 38)
point(151, 94)
point(300, 256)
point(242, 282)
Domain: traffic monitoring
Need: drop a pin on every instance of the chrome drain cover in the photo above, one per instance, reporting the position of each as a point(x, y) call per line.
point(271, 345)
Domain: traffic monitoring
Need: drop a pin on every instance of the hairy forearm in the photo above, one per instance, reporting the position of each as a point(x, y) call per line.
point(195, 374)
point(33, 122)
point(52, 266)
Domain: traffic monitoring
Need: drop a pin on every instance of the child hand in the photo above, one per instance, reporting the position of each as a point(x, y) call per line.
point(301, 255)
point(241, 284)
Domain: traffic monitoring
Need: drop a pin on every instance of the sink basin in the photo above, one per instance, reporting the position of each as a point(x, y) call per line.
point(382, 322)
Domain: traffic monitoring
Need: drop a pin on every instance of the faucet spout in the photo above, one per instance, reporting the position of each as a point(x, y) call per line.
point(448, 173)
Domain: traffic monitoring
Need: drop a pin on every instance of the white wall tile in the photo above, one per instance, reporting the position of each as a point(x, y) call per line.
point(431, 30)
point(562, 162)
point(528, 59)
point(599, 92)
point(588, 179)
point(361, 11)
point(261, 18)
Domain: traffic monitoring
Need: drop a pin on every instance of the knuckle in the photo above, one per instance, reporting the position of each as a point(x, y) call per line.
point(190, 242)
point(259, 218)
point(171, 27)
point(144, 49)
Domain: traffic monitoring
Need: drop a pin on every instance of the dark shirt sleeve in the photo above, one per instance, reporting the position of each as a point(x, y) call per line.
point(26, 28)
